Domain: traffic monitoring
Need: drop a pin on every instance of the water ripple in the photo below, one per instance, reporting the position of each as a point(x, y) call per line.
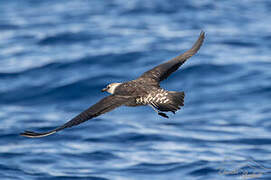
point(56, 56)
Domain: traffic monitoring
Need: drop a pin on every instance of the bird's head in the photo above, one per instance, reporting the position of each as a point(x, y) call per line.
point(110, 88)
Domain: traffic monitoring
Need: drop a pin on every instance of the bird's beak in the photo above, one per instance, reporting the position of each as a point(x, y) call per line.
point(104, 89)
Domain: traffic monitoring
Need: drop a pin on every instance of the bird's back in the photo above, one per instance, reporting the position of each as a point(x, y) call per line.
point(134, 88)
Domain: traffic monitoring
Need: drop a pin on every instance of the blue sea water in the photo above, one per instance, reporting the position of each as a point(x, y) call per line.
point(56, 56)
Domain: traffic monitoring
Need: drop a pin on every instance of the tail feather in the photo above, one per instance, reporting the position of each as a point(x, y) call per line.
point(174, 103)
point(178, 98)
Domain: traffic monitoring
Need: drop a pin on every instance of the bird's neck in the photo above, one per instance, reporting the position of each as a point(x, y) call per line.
point(113, 88)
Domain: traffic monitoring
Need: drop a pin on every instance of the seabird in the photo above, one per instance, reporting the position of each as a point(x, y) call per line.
point(144, 90)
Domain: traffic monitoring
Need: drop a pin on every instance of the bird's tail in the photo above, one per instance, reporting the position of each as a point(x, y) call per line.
point(174, 101)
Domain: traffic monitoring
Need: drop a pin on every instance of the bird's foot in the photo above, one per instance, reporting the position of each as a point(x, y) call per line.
point(163, 114)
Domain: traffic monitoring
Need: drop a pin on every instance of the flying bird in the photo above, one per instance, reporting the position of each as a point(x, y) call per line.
point(144, 90)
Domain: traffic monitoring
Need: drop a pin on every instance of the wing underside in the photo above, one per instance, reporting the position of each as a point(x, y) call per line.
point(105, 105)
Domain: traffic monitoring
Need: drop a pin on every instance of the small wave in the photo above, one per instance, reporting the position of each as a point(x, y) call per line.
point(67, 37)
point(204, 171)
point(4, 27)
point(240, 43)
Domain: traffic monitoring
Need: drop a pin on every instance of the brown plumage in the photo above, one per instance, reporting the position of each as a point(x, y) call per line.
point(144, 90)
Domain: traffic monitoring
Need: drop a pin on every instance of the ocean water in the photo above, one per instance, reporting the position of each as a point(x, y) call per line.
point(56, 56)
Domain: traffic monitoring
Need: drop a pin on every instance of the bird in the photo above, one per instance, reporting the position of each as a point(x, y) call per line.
point(143, 91)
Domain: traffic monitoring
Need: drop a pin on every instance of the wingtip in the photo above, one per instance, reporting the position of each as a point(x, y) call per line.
point(32, 134)
point(202, 34)
point(198, 43)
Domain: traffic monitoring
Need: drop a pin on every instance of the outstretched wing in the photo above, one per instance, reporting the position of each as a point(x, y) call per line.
point(162, 71)
point(105, 105)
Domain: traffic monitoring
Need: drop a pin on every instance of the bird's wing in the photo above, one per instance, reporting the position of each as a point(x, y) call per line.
point(162, 71)
point(105, 105)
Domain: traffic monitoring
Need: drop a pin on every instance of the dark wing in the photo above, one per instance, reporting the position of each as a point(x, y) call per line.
point(162, 71)
point(105, 105)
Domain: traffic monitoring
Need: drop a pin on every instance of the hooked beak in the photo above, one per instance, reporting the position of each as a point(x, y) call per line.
point(104, 89)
